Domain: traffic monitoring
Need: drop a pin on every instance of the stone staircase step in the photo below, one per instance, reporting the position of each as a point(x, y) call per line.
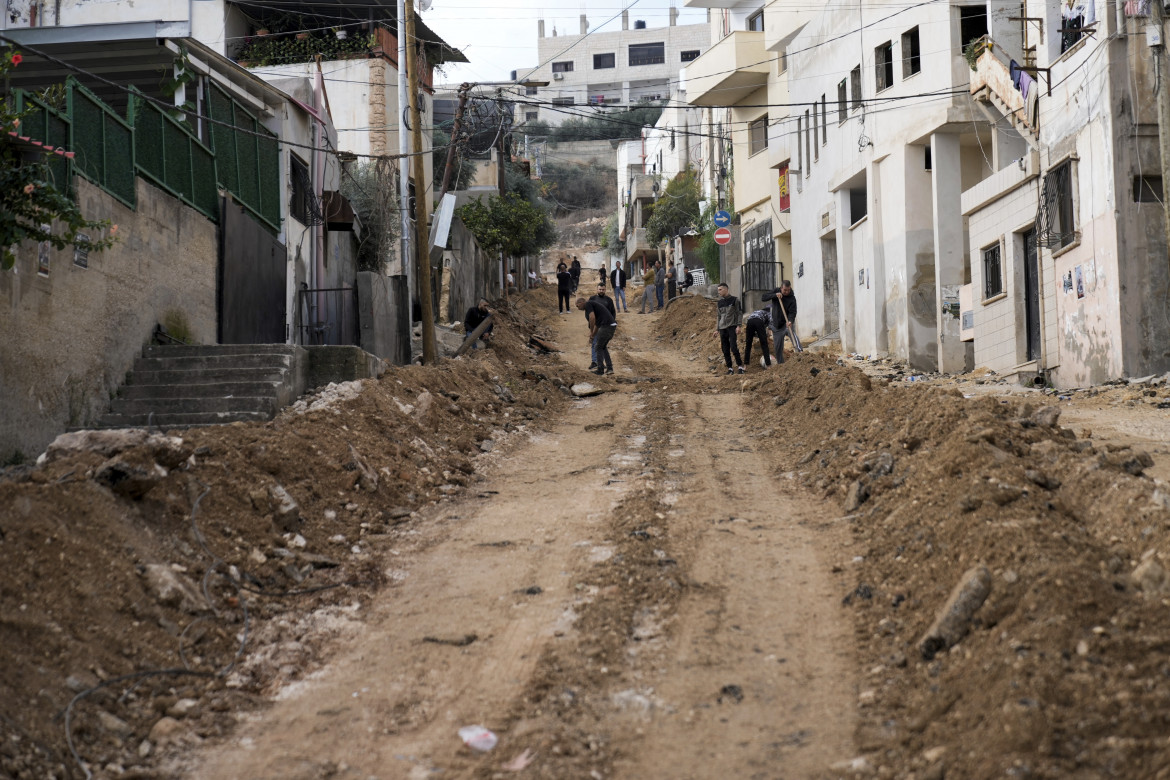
point(179, 419)
point(211, 362)
point(210, 350)
point(224, 389)
point(191, 377)
point(265, 405)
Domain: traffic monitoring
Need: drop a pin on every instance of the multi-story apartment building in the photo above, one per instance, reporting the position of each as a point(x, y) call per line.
point(622, 68)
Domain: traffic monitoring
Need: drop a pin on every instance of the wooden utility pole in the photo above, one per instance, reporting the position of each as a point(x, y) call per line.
point(1161, 73)
point(456, 128)
point(414, 59)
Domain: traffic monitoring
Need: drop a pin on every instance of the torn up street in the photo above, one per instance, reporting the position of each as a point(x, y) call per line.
point(816, 570)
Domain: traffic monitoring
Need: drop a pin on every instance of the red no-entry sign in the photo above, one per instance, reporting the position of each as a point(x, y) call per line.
point(722, 236)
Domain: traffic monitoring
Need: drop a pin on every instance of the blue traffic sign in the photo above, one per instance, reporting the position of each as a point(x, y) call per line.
point(722, 218)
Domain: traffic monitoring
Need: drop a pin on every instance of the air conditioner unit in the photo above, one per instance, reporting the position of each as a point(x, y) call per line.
point(558, 77)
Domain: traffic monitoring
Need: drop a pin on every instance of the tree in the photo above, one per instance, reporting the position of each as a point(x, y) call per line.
point(31, 206)
point(463, 169)
point(708, 249)
point(677, 209)
point(575, 186)
point(372, 189)
point(609, 236)
point(508, 224)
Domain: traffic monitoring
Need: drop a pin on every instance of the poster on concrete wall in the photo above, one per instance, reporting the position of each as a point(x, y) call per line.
point(1080, 277)
point(785, 200)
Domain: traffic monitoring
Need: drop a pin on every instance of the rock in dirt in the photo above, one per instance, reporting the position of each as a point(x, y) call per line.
point(171, 588)
point(1046, 416)
point(130, 478)
point(167, 450)
point(584, 390)
point(1149, 577)
point(1045, 481)
point(954, 619)
point(857, 495)
point(113, 724)
point(287, 516)
point(164, 729)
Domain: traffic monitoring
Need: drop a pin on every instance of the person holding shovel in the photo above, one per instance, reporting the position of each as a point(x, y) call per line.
point(783, 318)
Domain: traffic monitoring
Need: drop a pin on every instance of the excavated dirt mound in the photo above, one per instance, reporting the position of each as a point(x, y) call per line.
point(1062, 673)
point(152, 582)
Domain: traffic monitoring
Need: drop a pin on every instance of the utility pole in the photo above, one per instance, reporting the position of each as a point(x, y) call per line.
point(1155, 39)
point(422, 253)
point(405, 252)
point(456, 127)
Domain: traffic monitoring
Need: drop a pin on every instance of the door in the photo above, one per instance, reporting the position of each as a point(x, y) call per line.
point(1031, 296)
point(253, 284)
point(831, 290)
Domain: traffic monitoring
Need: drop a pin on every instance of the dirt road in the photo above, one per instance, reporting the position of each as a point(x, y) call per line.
point(633, 593)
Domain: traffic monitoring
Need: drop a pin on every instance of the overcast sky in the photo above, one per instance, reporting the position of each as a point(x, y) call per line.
point(499, 36)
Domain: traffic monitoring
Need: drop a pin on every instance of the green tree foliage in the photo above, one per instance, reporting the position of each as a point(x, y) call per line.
point(576, 186)
point(463, 169)
point(609, 236)
point(677, 209)
point(372, 191)
point(508, 224)
point(31, 206)
point(606, 126)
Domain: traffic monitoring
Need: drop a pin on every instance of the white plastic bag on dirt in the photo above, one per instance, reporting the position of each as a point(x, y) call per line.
point(478, 738)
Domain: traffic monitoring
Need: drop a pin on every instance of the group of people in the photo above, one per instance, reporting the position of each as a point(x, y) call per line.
point(779, 316)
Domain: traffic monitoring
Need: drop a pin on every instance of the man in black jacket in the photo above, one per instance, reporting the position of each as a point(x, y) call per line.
point(474, 318)
point(564, 288)
point(783, 318)
point(617, 278)
point(602, 326)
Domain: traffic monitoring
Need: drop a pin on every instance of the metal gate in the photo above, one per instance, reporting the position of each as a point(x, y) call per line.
point(328, 316)
point(252, 289)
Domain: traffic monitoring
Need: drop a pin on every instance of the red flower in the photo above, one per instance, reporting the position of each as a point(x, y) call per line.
point(17, 59)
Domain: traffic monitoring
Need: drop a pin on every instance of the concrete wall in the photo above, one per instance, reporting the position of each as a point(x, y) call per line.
point(71, 337)
point(596, 152)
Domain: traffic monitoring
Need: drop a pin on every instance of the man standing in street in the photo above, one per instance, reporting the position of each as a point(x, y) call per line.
point(606, 301)
point(647, 290)
point(617, 278)
point(575, 272)
point(602, 326)
point(728, 315)
point(564, 288)
point(783, 318)
point(659, 282)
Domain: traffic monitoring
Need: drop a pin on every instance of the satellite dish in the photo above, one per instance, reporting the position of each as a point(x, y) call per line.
point(424, 5)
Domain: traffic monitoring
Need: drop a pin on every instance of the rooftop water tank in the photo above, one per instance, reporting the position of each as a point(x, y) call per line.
point(639, 24)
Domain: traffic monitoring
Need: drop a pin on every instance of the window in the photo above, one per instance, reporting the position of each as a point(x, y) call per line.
point(530, 116)
point(816, 147)
point(298, 205)
point(603, 61)
point(810, 134)
point(883, 66)
point(647, 53)
point(855, 86)
point(562, 101)
point(781, 63)
point(842, 102)
point(755, 22)
point(824, 120)
point(531, 90)
point(672, 139)
point(992, 272)
point(972, 24)
point(758, 135)
point(927, 164)
point(689, 55)
point(1147, 189)
point(911, 53)
point(858, 204)
point(563, 67)
point(1057, 223)
point(799, 144)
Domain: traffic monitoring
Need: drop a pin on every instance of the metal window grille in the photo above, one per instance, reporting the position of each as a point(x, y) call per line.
point(758, 135)
point(647, 53)
point(104, 143)
point(1055, 216)
point(992, 272)
point(759, 267)
point(248, 162)
point(883, 57)
point(168, 154)
point(304, 206)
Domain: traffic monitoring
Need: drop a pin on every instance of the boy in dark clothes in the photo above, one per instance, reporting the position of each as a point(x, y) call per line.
point(564, 288)
point(602, 326)
point(727, 321)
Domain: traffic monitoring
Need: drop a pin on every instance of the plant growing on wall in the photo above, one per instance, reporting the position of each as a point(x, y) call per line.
point(285, 49)
point(676, 210)
point(31, 207)
point(371, 189)
point(708, 249)
point(508, 224)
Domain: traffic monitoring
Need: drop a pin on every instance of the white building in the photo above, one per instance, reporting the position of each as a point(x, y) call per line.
point(620, 68)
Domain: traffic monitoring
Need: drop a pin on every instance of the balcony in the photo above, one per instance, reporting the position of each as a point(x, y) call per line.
point(637, 243)
point(730, 70)
point(642, 187)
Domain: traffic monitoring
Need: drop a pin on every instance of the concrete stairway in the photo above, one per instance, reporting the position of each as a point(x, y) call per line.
point(207, 385)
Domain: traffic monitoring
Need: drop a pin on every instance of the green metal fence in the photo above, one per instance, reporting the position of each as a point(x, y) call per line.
point(168, 154)
point(104, 143)
point(51, 127)
point(247, 157)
